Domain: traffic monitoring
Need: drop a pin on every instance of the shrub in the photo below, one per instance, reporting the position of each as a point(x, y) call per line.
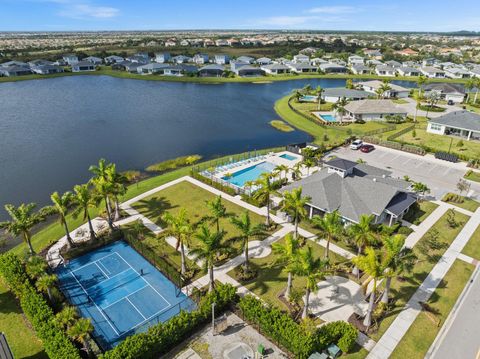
point(162, 337)
point(174, 163)
point(343, 333)
point(210, 182)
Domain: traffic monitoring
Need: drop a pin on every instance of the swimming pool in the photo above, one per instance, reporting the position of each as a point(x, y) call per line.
point(309, 98)
point(249, 174)
point(288, 157)
point(328, 118)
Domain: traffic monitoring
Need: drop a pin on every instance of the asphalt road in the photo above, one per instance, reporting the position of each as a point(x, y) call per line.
point(461, 339)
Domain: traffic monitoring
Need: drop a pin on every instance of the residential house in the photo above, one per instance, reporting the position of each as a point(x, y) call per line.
point(200, 59)
point(140, 57)
point(360, 69)
point(14, 63)
point(429, 61)
point(330, 68)
point(46, 69)
point(300, 58)
point(373, 110)
point(334, 94)
point(151, 68)
point(316, 61)
point(179, 70)
point(373, 54)
point(93, 60)
point(464, 124)
point(113, 59)
point(408, 71)
point(213, 70)
point(275, 69)
point(38, 62)
point(248, 71)
point(446, 91)
point(395, 91)
point(181, 59)
point(457, 73)
point(302, 67)
point(432, 72)
point(221, 42)
point(374, 62)
point(184, 43)
point(82, 66)
point(70, 59)
point(355, 189)
point(263, 61)
point(384, 70)
point(392, 63)
point(14, 70)
point(222, 59)
point(247, 59)
point(356, 60)
point(236, 64)
point(170, 43)
point(407, 52)
point(162, 57)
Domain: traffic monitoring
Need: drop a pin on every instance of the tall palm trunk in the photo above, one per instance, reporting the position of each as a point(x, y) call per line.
point(327, 248)
point(245, 264)
point(109, 212)
point(368, 318)
point(268, 211)
point(475, 98)
point(355, 270)
point(90, 226)
point(212, 280)
point(388, 282)
point(26, 236)
point(117, 210)
point(307, 302)
point(69, 239)
point(182, 255)
point(289, 286)
point(296, 225)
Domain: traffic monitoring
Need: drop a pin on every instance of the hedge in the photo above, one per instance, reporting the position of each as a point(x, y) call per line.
point(212, 183)
point(36, 309)
point(280, 327)
point(161, 338)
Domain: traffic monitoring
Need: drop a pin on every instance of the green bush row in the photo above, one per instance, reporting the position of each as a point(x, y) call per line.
point(36, 309)
point(210, 182)
point(162, 337)
point(174, 163)
point(280, 327)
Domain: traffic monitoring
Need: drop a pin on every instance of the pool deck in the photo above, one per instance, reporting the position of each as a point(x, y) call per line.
point(319, 114)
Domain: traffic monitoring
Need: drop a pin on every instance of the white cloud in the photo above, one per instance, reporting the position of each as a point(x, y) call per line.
point(334, 10)
point(84, 10)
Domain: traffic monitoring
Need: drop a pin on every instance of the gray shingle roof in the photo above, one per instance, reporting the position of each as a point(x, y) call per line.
point(344, 92)
point(445, 88)
point(374, 107)
point(459, 119)
point(341, 164)
point(375, 84)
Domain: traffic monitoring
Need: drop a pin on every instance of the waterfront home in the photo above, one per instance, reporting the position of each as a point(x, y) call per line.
point(336, 93)
point(360, 69)
point(162, 57)
point(179, 70)
point(374, 62)
point(140, 57)
point(355, 189)
point(384, 70)
point(113, 59)
point(373, 110)
point(263, 61)
point(457, 73)
point(393, 63)
point(93, 60)
point(247, 59)
point(70, 59)
point(14, 70)
point(408, 71)
point(181, 59)
point(82, 66)
point(212, 70)
point(316, 61)
point(248, 71)
point(356, 60)
point(446, 91)
point(46, 69)
point(275, 69)
point(475, 72)
point(464, 124)
point(236, 64)
point(395, 91)
point(130, 66)
point(300, 58)
point(432, 72)
point(39, 62)
point(330, 68)
point(14, 63)
point(151, 68)
point(302, 67)
point(221, 59)
point(200, 59)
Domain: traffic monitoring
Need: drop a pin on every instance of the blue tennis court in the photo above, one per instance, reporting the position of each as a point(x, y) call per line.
point(120, 291)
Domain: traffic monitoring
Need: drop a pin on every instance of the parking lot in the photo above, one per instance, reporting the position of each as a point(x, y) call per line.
point(440, 176)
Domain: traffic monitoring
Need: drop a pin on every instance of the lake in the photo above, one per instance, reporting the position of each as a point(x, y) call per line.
point(53, 129)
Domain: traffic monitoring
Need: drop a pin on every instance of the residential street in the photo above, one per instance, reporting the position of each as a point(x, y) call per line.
point(461, 338)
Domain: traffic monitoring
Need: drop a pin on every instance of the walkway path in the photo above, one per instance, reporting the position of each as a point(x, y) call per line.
point(394, 334)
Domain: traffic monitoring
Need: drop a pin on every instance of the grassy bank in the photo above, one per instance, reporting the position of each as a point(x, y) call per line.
point(423, 331)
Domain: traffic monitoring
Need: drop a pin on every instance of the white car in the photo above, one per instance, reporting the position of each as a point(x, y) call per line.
point(356, 145)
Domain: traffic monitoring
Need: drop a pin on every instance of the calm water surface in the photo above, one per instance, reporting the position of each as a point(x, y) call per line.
point(52, 130)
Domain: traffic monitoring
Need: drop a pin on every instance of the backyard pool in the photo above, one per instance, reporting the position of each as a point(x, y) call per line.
point(288, 157)
point(249, 174)
point(328, 118)
point(309, 98)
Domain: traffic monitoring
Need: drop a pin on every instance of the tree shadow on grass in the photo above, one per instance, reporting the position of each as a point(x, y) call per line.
point(8, 304)
point(154, 208)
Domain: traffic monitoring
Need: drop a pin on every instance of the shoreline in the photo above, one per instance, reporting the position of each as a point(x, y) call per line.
point(222, 80)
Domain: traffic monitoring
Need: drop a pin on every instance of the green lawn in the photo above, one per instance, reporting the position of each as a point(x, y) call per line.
point(417, 214)
point(272, 280)
point(22, 339)
point(192, 198)
point(403, 290)
point(423, 331)
point(472, 176)
point(468, 204)
point(472, 248)
point(442, 143)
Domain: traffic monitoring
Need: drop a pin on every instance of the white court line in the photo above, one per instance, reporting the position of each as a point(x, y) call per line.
point(104, 267)
point(100, 310)
point(133, 305)
point(119, 300)
point(101, 270)
point(90, 263)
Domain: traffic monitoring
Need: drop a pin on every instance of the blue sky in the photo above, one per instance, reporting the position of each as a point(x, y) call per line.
point(405, 15)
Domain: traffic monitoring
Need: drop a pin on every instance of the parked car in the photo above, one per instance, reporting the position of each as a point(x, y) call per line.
point(367, 148)
point(356, 145)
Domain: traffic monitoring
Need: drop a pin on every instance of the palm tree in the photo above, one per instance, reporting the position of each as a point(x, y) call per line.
point(103, 186)
point(372, 264)
point(177, 228)
point(297, 170)
point(282, 169)
point(294, 204)
point(211, 244)
point(330, 226)
point(398, 259)
point(36, 266)
point(61, 206)
point(362, 234)
point(318, 92)
point(247, 230)
point(384, 87)
point(45, 284)
point(422, 80)
point(264, 191)
point(313, 269)
point(416, 97)
point(80, 332)
point(66, 317)
point(23, 219)
point(379, 92)
point(308, 163)
point(217, 211)
point(419, 187)
point(469, 85)
point(287, 255)
point(477, 88)
point(85, 199)
point(118, 182)
point(432, 100)
point(339, 107)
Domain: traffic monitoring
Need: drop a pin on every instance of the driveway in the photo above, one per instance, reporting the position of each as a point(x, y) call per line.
point(412, 104)
point(440, 176)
